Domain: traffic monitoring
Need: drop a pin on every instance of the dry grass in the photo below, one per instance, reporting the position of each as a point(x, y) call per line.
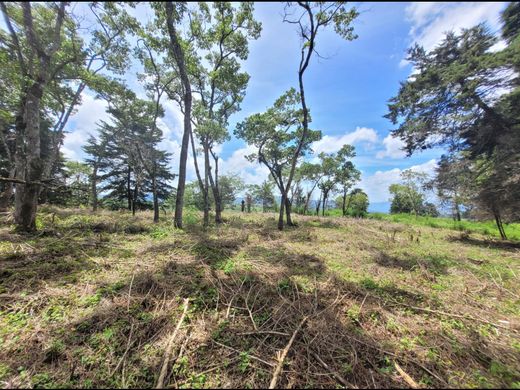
point(94, 298)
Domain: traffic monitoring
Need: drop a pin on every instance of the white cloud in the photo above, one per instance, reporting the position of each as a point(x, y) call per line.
point(329, 144)
point(393, 148)
point(84, 122)
point(376, 185)
point(250, 172)
point(431, 20)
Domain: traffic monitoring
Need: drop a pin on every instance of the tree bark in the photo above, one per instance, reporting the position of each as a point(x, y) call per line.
point(178, 54)
point(206, 183)
point(288, 212)
point(500, 226)
point(128, 189)
point(155, 200)
point(280, 216)
point(94, 188)
point(26, 199)
point(344, 202)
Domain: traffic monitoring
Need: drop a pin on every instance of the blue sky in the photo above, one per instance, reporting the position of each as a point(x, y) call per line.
point(347, 93)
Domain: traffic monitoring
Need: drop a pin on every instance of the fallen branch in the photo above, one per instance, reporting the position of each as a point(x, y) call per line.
point(283, 354)
point(128, 345)
point(341, 380)
point(168, 352)
point(264, 332)
point(407, 378)
point(398, 357)
point(237, 351)
point(464, 317)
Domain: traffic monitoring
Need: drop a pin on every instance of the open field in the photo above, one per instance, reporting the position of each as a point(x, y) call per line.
point(482, 227)
point(93, 300)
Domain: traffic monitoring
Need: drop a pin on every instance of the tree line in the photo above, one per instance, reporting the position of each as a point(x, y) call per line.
point(190, 55)
point(463, 96)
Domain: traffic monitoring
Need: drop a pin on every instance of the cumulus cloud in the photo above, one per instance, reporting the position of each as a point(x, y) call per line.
point(83, 123)
point(250, 172)
point(393, 148)
point(376, 185)
point(330, 144)
point(431, 20)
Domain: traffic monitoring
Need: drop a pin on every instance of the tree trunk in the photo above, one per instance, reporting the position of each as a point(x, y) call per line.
point(216, 193)
point(500, 226)
point(318, 204)
point(344, 202)
point(128, 189)
point(155, 200)
point(324, 201)
point(94, 188)
point(206, 183)
point(288, 212)
point(280, 216)
point(134, 198)
point(457, 211)
point(178, 54)
point(26, 199)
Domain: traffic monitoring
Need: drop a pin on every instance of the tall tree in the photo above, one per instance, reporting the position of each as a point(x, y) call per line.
point(38, 63)
point(313, 17)
point(172, 14)
point(463, 96)
point(220, 84)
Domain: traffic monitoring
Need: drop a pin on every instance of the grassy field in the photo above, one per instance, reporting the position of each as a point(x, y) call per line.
point(92, 300)
point(483, 227)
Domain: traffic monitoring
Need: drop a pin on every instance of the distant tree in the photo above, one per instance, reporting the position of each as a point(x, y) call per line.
point(347, 174)
point(311, 174)
point(454, 183)
point(263, 194)
point(358, 203)
point(230, 186)
point(276, 134)
point(429, 209)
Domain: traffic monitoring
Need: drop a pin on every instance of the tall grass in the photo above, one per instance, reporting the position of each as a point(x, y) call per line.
point(483, 227)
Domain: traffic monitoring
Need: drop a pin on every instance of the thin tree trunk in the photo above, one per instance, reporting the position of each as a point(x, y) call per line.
point(457, 211)
point(500, 226)
point(94, 188)
point(324, 200)
point(206, 183)
point(280, 216)
point(178, 54)
point(134, 197)
point(344, 202)
point(128, 189)
point(155, 200)
point(318, 205)
point(216, 192)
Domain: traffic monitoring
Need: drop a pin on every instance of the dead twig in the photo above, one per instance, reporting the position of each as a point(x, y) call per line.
point(283, 354)
point(341, 380)
point(168, 352)
point(466, 317)
point(250, 356)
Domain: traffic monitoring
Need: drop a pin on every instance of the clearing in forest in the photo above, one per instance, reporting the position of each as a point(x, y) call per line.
point(93, 300)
